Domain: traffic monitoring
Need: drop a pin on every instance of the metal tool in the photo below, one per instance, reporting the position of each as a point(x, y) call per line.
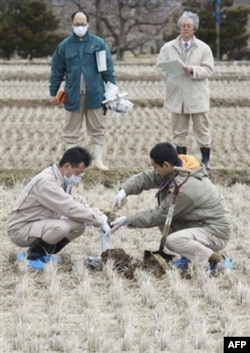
point(167, 225)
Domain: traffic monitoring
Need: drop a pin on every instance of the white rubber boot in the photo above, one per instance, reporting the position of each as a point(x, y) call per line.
point(98, 153)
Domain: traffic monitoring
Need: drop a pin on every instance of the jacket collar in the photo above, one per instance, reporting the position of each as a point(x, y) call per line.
point(80, 40)
point(177, 42)
point(57, 174)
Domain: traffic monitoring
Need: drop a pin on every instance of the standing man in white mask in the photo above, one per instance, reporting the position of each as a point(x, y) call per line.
point(48, 215)
point(187, 96)
point(76, 60)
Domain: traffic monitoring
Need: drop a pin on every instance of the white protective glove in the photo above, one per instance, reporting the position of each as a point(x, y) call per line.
point(119, 199)
point(100, 216)
point(121, 221)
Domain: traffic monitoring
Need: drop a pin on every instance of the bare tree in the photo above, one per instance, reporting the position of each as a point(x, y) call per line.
point(128, 25)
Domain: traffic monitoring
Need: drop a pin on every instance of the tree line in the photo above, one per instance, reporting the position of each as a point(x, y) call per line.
point(32, 28)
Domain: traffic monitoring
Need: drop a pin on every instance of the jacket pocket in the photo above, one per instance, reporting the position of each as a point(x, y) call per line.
point(92, 49)
point(72, 60)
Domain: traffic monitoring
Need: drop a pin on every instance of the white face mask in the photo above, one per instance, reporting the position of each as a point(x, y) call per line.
point(73, 179)
point(80, 31)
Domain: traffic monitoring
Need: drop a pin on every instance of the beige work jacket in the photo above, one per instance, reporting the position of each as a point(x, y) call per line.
point(44, 198)
point(188, 93)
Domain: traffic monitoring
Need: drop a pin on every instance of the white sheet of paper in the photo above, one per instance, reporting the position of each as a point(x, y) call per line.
point(101, 60)
point(173, 68)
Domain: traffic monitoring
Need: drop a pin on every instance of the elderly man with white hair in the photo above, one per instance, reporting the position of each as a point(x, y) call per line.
point(187, 96)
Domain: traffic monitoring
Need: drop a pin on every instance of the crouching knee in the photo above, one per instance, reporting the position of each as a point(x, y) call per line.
point(77, 231)
point(172, 242)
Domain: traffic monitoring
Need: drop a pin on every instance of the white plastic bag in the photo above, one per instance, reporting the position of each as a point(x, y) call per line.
point(115, 100)
point(105, 240)
point(111, 92)
point(121, 106)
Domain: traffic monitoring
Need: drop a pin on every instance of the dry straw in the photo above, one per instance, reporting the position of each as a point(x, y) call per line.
point(69, 308)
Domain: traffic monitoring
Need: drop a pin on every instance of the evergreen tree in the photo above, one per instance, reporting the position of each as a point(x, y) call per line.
point(27, 29)
point(233, 35)
point(8, 36)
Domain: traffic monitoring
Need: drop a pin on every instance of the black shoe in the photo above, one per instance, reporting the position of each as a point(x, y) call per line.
point(40, 248)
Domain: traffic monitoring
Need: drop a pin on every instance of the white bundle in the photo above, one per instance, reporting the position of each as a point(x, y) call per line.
point(115, 100)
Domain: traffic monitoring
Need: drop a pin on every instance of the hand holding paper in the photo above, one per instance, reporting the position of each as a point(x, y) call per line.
point(173, 68)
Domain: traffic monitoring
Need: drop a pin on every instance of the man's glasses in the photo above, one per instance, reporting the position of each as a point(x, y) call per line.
point(80, 24)
point(186, 26)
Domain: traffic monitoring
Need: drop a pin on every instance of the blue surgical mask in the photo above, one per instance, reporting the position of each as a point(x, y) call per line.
point(73, 179)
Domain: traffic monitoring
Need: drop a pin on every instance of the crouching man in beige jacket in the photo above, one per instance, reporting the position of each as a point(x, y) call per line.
point(46, 217)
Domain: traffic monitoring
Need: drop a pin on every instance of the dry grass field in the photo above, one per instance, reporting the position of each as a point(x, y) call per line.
point(72, 309)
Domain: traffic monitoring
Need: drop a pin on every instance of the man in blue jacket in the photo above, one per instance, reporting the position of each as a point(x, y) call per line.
point(75, 61)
